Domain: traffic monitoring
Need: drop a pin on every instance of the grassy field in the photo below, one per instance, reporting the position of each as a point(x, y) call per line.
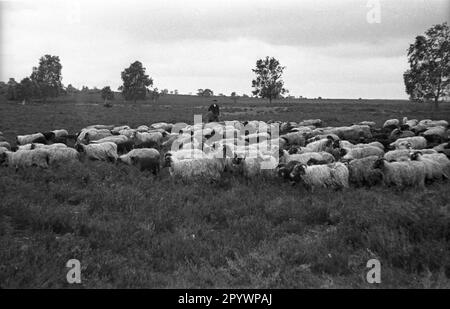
point(130, 229)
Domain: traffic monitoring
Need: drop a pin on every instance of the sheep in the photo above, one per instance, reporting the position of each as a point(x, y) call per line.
point(60, 133)
point(437, 148)
point(194, 169)
point(371, 124)
point(410, 123)
point(51, 146)
point(148, 140)
point(3, 150)
point(433, 123)
point(401, 174)
point(124, 143)
point(347, 144)
point(415, 142)
point(127, 132)
point(320, 145)
point(143, 158)
point(187, 154)
point(252, 167)
point(359, 153)
point(397, 155)
point(5, 145)
point(284, 169)
point(100, 127)
point(162, 125)
point(371, 144)
point(339, 175)
point(28, 146)
point(433, 168)
point(88, 135)
point(435, 134)
point(314, 176)
point(143, 128)
point(62, 155)
point(25, 158)
point(398, 133)
point(298, 149)
point(104, 152)
point(391, 124)
point(116, 130)
point(294, 138)
point(332, 136)
point(352, 133)
point(303, 158)
point(362, 173)
point(31, 138)
point(311, 122)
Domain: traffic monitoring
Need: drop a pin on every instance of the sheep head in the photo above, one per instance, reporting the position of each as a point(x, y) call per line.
point(297, 172)
point(379, 163)
point(415, 155)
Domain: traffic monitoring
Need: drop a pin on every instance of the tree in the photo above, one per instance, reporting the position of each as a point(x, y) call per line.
point(268, 83)
point(234, 96)
point(428, 76)
point(71, 89)
point(107, 93)
point(47, 76)
point(135, 82)
point(155, 94)
point(25, 90)
point(11, 91)
point(205, 92)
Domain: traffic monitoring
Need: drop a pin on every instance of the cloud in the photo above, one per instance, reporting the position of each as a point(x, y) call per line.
point(329, 48)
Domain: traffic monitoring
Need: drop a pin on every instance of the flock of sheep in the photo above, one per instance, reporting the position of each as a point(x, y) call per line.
point(407, 153)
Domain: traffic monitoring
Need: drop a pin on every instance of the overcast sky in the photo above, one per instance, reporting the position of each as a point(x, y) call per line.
point(328, 47)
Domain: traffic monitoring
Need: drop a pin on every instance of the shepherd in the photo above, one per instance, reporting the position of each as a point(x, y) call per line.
point(213, 113)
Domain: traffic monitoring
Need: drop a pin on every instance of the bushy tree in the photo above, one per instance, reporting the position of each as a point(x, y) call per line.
point(205, 92)
point(107, 93)
point(135, 82)
point(155, 94)
point(71, 89)
point(428, 76)
point(11, 90)
point(234, 96)
point(47, 76)
point(25, 90)
point(268, 82)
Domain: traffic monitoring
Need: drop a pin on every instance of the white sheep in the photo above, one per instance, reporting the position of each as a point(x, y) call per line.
point(433, 123)
point(391, 123)
point(116, 130)
point(195, 169)
point(148, 140)
point(433, 169)
point(62, 155)
point(5, 145)
point(320, 145)
point(89, 134)
point(143, 158)
point(401, 174)
point(414, 142)
point(303, 158)
point(314, 176)
point(104, 152)
point(359, 153)
point(25, 158)
point(31, 138)
point(60, 133)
